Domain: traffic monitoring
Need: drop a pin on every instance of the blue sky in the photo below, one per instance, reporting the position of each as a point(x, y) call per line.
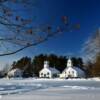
point(85, 12)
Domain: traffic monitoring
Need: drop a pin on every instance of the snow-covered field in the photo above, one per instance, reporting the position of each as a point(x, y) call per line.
point(49, 89)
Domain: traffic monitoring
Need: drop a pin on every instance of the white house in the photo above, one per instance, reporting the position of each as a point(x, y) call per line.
point(72, 71)
point(48, 72)
point(15, 73)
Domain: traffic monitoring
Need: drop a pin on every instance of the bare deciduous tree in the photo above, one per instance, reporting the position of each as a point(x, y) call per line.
point(92, 46)
point(17, 30)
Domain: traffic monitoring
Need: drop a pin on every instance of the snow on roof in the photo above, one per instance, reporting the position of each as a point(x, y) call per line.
point(15, 70)
point(80, 71)
point(74, 68)
point(53, 70)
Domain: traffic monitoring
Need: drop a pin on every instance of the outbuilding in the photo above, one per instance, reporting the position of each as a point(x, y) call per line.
point(15, 73)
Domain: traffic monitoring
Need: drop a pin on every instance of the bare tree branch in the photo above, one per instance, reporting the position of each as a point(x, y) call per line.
point(19, 31)
point(29, 45)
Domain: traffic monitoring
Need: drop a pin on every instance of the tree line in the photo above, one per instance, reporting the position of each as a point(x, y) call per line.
point(59, 62)
point(92, 69)
point(32, 67)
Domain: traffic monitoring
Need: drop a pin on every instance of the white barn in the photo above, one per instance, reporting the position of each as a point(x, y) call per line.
point(72, 71)
point(48, 72)
point(15, 73)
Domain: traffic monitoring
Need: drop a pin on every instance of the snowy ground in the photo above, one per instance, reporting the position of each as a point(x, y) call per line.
point(49, 89)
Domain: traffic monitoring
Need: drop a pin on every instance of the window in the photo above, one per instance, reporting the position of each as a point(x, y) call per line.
point(48, 73)
point(41, 73)
point(73, 72)
point(45, 75)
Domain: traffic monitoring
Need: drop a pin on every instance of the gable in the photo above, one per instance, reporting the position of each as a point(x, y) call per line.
point(45, 70)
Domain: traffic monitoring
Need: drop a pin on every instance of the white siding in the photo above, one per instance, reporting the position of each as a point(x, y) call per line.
point(45, 73)
point(72, 72)
point(48, 72)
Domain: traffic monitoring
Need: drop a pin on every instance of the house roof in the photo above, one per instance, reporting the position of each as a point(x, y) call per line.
point(14, 70)
point(53, 70)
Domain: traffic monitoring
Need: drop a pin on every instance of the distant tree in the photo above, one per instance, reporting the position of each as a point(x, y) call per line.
point(92, 52)
point(92, 46)
point(78, 62)
point(59, 62)
point(52, 59)
point(18, 30)
point(74, 61)
point(95, 70)
point(38, 62)
point(13, 64)
point(28, 72)
point(87, 67)
point(5, 70)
